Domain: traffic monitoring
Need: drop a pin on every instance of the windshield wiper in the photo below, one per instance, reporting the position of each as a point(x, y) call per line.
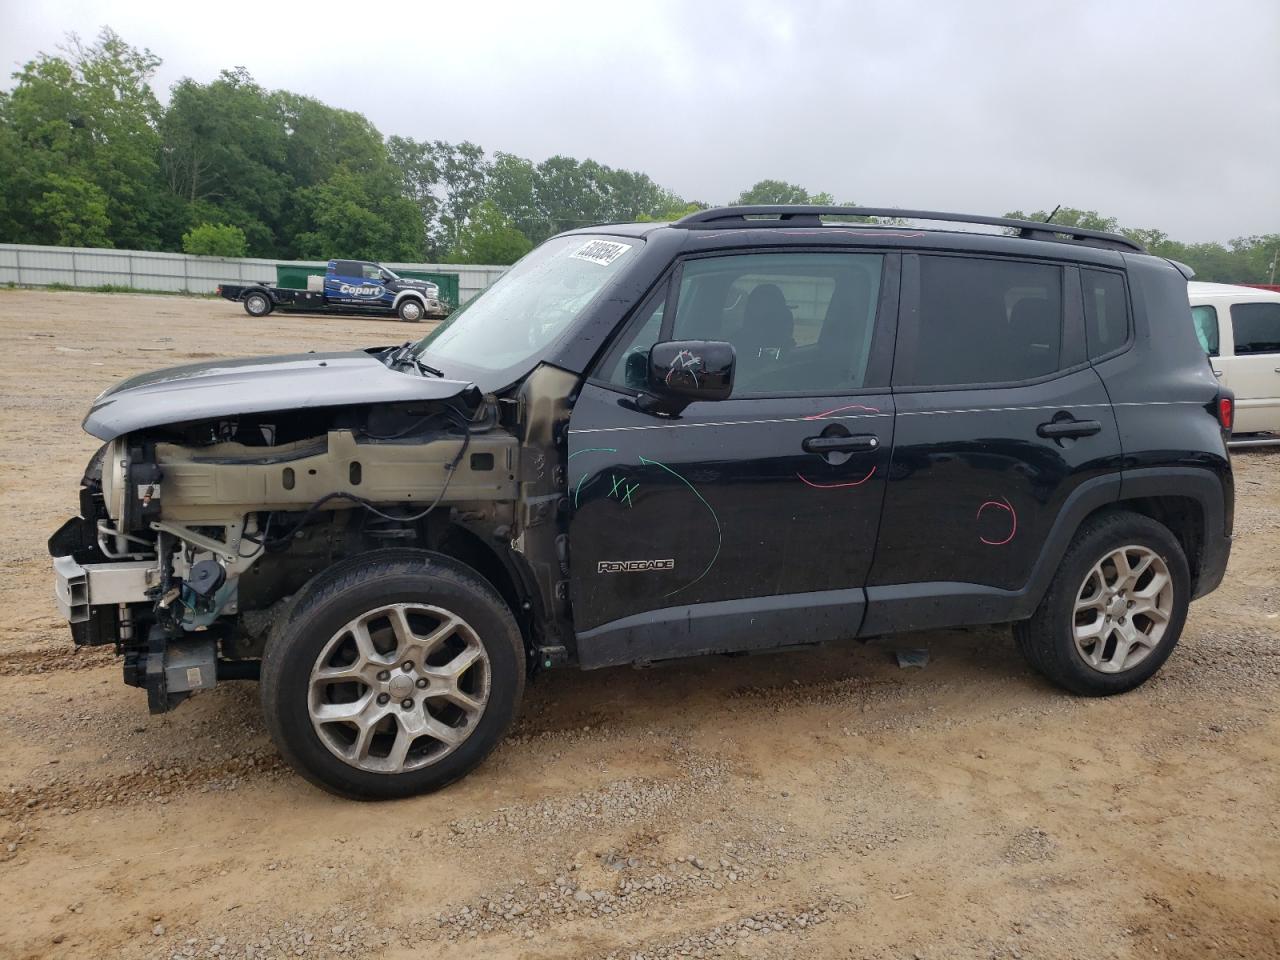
point(404, 354)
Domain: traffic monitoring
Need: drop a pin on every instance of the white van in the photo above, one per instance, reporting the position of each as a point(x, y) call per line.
point(1239, 328)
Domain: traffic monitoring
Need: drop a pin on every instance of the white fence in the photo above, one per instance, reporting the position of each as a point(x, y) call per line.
point(35, 266)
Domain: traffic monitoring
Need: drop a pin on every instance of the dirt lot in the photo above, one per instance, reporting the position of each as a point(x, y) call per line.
point(823, 804)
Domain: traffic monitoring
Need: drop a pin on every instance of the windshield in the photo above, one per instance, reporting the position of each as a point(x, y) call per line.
point(390, 273)
point(530, 305)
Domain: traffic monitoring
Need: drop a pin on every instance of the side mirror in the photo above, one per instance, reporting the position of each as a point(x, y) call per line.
point(689, 370)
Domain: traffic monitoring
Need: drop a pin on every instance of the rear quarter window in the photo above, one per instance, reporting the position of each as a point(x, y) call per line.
point(1106, 311)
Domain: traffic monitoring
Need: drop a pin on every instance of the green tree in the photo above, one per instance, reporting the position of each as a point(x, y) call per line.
point(89, 114)
point(489, 237)
point(463, 172)
point(1070, 217)
point(358, 215)
point(214, 240)
point(321, 138)
point(415, 164)
point(511, 187)
point(568, 193)
point(224, 157)
point(73, 212)
point(674, 212)
point(779, 191)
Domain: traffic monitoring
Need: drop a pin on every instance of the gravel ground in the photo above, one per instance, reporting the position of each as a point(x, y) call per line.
point(818, 804)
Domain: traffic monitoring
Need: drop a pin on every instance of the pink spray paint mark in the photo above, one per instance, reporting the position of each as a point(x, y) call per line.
point(1001, 504)
point(835, 486)
point(851, 406)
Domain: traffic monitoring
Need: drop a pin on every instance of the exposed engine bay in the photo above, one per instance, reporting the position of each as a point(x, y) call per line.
point(193, 536)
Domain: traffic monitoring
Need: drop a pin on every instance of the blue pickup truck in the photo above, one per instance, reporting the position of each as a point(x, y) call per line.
point(350, 286)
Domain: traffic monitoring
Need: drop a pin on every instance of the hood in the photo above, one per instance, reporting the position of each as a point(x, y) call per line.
point(224, 388)
point(413, 282)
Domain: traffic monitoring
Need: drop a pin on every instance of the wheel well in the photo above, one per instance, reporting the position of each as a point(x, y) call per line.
point(1184, 516)
point(466, 547)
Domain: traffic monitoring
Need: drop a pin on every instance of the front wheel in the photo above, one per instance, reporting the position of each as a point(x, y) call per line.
point(257, 304)
point(410, 310)
point(1115, 609)
point(395, 673)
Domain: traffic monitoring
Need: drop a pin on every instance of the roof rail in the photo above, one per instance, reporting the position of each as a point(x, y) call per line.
point(808, 215)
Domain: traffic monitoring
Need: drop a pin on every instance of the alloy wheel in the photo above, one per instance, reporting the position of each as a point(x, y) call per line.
point(1123, 609)
point(399, 687)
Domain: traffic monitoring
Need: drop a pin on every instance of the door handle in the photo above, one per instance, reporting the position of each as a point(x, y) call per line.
point(1059, 429)
point(838, 444)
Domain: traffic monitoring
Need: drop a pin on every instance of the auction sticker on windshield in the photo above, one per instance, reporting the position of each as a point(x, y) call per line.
point(603, 252)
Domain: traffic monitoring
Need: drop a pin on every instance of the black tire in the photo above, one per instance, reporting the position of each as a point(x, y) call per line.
point(411, 310)
point(257, 303)
point(342, 593)
point(1047, 639)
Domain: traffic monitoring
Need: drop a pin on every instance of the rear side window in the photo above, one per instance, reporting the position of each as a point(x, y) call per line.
point(1256, 327)
point(985, 321)
point(1106, 311)
point(346, 268)
point(1205, 320)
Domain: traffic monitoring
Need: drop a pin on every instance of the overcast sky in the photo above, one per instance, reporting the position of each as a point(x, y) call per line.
point(1164, 114)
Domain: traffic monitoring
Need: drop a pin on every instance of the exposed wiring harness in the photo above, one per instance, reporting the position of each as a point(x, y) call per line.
point(267, 543)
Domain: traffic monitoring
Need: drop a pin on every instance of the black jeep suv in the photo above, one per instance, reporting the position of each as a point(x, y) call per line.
point(752, 428)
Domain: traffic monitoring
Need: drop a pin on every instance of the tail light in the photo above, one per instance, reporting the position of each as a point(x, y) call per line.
point(1226, 411)
point(219, 290)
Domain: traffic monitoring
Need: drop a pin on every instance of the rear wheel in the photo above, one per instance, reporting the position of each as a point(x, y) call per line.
point(1115, 610)
point(257, 304)
point(410, 310)
point(396, 673)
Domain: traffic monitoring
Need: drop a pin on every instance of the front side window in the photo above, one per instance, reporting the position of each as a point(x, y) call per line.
point(627, 364)
point(1256, 327)
point(371, 271)
point(1106, 311)
point(985, 321)
point(1205, 320)
point(530, 305)
point(800, 323)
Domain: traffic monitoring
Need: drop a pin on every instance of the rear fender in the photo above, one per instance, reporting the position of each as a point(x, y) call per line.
point(895, 608)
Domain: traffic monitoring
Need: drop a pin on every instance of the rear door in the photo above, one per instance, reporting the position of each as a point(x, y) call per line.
point(1253, 373)
point(999, 418)
point(342, 281)
point(746, 522)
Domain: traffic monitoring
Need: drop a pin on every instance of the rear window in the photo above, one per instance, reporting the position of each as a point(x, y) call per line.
point(1256, 327)
point(1106, 311)
point(985, 321)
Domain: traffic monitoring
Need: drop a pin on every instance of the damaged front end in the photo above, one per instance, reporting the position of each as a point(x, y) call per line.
point(223, 488)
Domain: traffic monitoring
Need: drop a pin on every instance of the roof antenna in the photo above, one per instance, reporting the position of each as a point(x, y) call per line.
point(1049, 218)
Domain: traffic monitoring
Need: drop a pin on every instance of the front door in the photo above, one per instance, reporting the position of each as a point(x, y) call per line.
point(748, 522)
point(1000, 418)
